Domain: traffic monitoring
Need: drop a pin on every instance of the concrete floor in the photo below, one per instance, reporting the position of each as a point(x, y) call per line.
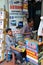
point(7, 63)
point(11, 63)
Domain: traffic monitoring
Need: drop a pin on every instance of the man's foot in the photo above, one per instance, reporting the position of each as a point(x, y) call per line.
point(15, 64)
point(24, 63)
point(18, 62)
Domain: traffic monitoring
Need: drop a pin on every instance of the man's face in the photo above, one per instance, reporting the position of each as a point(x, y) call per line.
point(31, 24)
point(10, 32)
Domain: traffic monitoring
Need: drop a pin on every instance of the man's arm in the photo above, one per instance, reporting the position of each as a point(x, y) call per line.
point(26, 33)
point(16, 49)
point(23, 30)
point(7, 40)
point(11, 45)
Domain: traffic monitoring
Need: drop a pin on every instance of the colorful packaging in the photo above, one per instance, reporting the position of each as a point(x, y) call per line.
point(32, 44)
point(34, 51)
point(32, 60)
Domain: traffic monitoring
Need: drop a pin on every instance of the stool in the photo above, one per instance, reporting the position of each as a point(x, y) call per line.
point(13, 57)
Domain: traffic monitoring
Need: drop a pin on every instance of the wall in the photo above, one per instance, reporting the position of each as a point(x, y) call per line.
point(42, 9)
point(4, 4)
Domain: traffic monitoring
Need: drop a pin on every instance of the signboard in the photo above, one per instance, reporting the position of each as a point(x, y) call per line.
point(25, 5)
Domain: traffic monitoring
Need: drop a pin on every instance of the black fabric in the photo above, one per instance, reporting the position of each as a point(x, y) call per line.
point(23, 54)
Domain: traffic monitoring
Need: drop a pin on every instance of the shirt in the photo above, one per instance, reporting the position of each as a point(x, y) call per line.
point(10, 41)
point(19, 37)
point(26, 29)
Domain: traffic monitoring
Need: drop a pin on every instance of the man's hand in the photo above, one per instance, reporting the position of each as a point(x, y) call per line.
point(19, 50)
point(21, 43)
point(16, 31)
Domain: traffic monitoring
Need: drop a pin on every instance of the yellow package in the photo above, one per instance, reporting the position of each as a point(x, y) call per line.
point(21, 47)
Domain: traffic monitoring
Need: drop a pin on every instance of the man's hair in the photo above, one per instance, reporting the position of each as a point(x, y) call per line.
point(29, 20)
point(8, 29)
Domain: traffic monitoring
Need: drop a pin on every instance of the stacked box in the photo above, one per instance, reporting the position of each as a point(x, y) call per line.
point(2, 34)
point(34, 51)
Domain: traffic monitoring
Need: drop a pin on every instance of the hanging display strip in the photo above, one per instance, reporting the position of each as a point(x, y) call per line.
point(25, 6)
point(15, 13)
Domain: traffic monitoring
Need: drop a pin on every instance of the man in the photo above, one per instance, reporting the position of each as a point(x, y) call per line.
point(27, 29)
point(10, 45)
